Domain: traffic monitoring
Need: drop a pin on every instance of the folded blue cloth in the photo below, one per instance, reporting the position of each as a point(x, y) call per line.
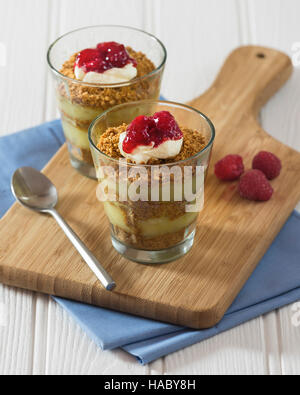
point(32, 147)
point(274, 283)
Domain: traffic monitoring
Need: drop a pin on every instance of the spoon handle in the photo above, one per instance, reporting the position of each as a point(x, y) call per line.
point(86, 254)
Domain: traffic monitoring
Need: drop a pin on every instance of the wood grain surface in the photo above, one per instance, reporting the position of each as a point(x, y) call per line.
point(232, 233)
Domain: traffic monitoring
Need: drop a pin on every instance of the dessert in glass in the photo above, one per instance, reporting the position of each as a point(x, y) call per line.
point(96, 68)
point(151, 159)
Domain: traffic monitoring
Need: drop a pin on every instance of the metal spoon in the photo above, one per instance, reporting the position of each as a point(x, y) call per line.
point(36, 192)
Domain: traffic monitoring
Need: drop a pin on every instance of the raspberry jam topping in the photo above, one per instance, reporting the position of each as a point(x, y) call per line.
point(104, 57)
point(148, 130)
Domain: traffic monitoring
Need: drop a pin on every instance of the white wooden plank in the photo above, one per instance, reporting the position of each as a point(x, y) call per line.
point(17, 335)
point(198, 35)
point(270, 336)
point(77, 13)
point(70, 351)
point(278, 27)
point(289, 325)
point(48, 111)
point(23, 79)
point(238, 351)
point(40, 334)
point(51, 111)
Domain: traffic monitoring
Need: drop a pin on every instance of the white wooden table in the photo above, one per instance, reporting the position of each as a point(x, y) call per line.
point(39, 337)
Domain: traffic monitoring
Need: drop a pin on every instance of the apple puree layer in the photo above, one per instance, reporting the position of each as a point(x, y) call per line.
point(78, 112)
point(155, 243)
point(76, 135)
point(122, 216)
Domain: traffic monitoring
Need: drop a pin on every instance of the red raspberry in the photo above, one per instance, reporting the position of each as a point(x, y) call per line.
point(229, 168)
point(254, 185)
point(268, 163)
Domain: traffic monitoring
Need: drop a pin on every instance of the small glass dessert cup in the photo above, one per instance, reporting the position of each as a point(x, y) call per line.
point(152, 208)
point(80, 102)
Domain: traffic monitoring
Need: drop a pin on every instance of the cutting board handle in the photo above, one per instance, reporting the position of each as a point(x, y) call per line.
point(248, 78)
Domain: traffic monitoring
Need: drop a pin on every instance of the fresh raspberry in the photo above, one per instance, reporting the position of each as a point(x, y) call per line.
point(268, 163)
point(229, 168)
point(254, 185)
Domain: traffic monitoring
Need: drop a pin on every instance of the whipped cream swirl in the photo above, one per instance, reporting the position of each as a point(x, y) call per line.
point(143, 153)
point(111, 76)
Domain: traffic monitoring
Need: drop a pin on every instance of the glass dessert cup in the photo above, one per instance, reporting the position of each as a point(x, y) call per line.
point(152, 229)
point(80, 102)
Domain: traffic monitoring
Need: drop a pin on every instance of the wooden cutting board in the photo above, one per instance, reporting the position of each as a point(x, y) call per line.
point(232, 235)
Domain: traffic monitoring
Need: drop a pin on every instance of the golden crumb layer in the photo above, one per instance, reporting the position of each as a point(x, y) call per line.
point(193, 142)
point(108, 97)
point(154, 243)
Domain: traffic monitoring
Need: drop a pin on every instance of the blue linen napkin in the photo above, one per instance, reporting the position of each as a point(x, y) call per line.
point(274, 283)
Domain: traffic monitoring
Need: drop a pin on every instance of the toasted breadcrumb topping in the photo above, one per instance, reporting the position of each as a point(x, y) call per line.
point(193, 142)
point(101, 97)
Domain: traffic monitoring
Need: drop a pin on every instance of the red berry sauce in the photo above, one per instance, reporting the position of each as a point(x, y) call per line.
point(104, 57)
point(148, 130)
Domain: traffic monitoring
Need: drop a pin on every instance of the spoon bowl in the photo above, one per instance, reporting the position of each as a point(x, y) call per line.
point(33, 189)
